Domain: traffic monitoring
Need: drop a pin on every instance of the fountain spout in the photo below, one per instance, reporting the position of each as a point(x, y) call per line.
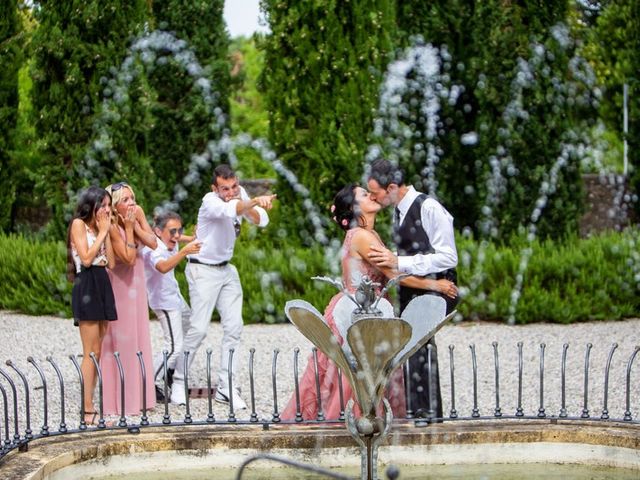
point(375, 343)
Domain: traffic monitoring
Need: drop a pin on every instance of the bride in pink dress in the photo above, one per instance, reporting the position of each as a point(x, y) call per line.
point(355, 212)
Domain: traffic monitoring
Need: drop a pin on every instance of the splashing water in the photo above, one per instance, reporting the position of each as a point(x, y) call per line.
point(154, 49)
point(529, 73)
point(413, 83)
point(225, 147)
point(416, 75)
point(547, 188)
point(151, 50)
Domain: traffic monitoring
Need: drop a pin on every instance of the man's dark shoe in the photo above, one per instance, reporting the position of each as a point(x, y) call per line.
point(423, 415)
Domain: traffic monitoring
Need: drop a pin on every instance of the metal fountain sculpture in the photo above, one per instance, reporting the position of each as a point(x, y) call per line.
point(376, 342)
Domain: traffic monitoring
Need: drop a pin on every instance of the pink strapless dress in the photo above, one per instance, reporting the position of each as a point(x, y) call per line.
point(328, 371)
point(128, 335)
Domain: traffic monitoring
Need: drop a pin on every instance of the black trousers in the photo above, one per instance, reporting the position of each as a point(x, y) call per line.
point(421, 372)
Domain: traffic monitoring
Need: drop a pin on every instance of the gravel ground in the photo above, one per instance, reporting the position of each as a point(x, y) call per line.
point(22, 336)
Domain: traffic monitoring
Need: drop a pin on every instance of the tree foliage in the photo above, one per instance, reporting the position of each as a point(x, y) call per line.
point(522, 98)
point(10, 62)
point(323, 64)
point(75, 45)
point(248, 110)
point(249, 114)
point(613, 48)
point(180, 122)
point(115, 101)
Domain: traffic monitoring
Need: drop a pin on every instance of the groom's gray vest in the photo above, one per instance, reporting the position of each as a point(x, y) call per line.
point(411, 239)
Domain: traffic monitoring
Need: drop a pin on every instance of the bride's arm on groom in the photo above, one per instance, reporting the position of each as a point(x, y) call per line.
point(365, 241)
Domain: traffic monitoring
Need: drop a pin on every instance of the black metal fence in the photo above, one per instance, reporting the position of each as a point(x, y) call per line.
point(481, 393)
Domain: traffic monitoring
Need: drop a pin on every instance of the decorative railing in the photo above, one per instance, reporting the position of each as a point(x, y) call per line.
point(483, 383)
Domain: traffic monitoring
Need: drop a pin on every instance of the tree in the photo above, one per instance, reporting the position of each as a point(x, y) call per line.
point(10, 62)
point(323, 65)
point(248, 110)
point(511, 112)
point(75, 46)
point(249, 114)
point(614, 50)
point(181, 124)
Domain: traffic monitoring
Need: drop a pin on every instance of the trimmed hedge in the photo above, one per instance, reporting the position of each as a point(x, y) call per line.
point(34, 276)
point(576, 280)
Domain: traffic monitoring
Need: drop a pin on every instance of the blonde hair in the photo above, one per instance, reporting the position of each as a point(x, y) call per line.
point(116, 195)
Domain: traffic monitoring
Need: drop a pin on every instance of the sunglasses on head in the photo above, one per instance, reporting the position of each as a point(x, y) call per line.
point(173, 231)
point(117, 186)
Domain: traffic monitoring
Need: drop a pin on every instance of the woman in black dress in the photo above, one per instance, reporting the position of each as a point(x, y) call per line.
point(89, 253)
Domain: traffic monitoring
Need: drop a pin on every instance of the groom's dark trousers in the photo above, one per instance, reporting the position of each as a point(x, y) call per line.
point(422, 375)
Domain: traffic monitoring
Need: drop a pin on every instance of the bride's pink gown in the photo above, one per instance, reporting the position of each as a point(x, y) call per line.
point(128, 335)
point(353, 270)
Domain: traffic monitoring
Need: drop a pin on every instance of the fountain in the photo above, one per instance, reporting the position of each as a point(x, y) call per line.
point(375, 343)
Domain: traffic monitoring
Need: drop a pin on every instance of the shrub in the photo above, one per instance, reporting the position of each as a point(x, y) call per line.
point(576, 280)
point(33, 276)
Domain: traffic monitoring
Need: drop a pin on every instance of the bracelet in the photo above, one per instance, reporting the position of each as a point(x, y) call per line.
point(131, 245)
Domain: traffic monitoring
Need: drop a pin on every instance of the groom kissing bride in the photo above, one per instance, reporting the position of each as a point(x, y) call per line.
point(354, 209)
point(424, 237)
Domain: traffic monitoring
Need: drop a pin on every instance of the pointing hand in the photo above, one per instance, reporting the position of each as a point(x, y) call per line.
point(265, 201)
point(192, 247)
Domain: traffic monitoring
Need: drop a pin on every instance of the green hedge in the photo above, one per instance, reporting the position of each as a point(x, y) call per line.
point(576, 280)
point(34, 276)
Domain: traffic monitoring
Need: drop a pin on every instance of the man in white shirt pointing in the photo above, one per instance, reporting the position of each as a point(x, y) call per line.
point(213, 281)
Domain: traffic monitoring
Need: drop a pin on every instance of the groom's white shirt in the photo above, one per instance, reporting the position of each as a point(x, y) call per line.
point(438, 225)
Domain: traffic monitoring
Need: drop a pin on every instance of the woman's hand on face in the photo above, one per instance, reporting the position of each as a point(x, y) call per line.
point(103, 221)
point(130, 216)
point(139, 213)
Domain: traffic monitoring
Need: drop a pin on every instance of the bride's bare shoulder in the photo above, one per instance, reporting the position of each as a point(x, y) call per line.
point(362, 239)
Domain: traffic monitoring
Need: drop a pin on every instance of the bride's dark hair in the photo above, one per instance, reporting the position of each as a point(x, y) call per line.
point(342, 208)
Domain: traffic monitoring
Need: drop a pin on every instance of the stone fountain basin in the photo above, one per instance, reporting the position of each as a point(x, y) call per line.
point(76, 456)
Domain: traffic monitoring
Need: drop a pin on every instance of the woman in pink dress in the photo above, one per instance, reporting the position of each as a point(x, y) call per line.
point(130, 333)
point(355, 212)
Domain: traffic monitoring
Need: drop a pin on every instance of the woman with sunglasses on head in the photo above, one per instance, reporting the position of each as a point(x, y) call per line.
point(129, 233)
point(89, 253)
point(164, 294)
